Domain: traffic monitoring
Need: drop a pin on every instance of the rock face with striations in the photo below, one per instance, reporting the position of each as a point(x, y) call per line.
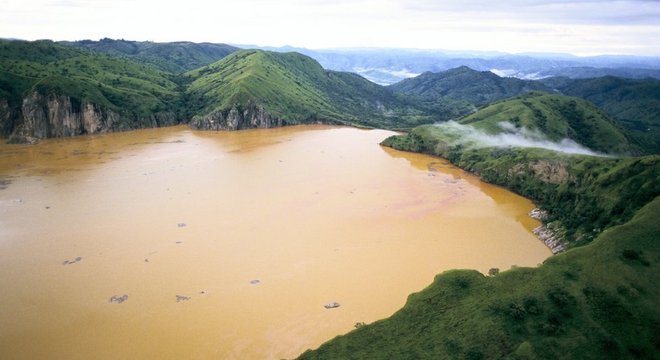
point(45, 116)
point(236, 118)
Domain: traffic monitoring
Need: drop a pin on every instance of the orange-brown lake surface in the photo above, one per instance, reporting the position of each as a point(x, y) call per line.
point(227, 245)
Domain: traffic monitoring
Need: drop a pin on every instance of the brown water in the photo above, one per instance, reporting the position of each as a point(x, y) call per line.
point(316, 214)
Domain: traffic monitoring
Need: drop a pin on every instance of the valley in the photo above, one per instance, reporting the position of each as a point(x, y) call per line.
point(259, 170)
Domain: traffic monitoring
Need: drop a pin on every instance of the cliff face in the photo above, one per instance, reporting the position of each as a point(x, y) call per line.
point(236, 118)
point(44, 116)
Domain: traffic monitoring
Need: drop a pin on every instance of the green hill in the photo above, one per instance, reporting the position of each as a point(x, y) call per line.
point(463, 83)
point(252, 88)
point(555, 116)
point(174, 57)
point(635, 104)
point(123, 94)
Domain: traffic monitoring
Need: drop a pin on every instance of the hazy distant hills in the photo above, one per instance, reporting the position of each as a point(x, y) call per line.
point(387, 66)
point(175, 57)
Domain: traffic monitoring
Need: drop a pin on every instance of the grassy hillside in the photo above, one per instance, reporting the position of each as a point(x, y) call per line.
point(595, 302)
point(50, 68)
point(463, 83)
point(297, 89)
point(557, 117)
point(635, 104)
point(174, 57)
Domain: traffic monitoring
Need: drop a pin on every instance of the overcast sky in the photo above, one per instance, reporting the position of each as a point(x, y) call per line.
point(582, 27)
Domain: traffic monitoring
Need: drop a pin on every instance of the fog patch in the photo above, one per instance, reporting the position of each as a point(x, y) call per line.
point(511, 137)
point(518, 74)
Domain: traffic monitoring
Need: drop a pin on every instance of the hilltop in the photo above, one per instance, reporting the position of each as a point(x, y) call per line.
point(635, 104)
point(175, 57)
point(255, 88)
point(462, 83)
point(556, 117)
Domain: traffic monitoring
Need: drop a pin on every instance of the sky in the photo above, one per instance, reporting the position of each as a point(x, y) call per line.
point(580, 27)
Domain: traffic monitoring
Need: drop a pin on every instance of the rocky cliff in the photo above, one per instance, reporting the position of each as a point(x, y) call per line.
point(236, 118)
point(44, 116)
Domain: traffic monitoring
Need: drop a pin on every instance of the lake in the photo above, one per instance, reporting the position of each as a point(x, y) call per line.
point(171, 243)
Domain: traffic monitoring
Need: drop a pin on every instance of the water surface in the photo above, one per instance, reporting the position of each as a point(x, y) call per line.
point(251, 231)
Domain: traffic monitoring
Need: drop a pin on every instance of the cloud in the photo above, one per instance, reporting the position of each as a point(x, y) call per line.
point(584, 12)
point(578, 27)
point(511, 137)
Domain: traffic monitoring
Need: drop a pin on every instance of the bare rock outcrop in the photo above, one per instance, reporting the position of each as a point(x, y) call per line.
point(549, 233)
point(236, 118)
point(44, 116)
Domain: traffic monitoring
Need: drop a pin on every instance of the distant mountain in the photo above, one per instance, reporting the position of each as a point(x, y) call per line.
point(463, 83)
point(49, 89)
point(256, 88)
point(175, 57)
point(388, 66)
point(583, 72)
point(635, 104)
point(556, 117)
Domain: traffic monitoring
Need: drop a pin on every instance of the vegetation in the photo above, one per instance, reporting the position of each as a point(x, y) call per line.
point(635, 104)
point(464, 84)
point(173, 57)
point(297, 89)
point(557, 117)
point(585, 194)
point(122, 85)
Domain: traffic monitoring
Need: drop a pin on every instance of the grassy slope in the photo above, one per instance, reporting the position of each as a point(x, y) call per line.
point(119, 84)
point(634, 103)
point(599, 301)
point(296, 88)
point(463, 83)
point(557, 117)
point(174, 57)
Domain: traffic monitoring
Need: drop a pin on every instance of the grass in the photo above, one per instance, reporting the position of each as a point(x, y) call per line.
point(557, 117)
point(464, 84)
point(635, 104)
point(297, 89)
point(173, 57)
point(131, 89)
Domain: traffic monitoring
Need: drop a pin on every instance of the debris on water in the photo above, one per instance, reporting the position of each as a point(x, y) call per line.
point(331, 305)
point(255, 281)
point(69, 262)
point(180, 298)
point(181, 225)
point(118, 299)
